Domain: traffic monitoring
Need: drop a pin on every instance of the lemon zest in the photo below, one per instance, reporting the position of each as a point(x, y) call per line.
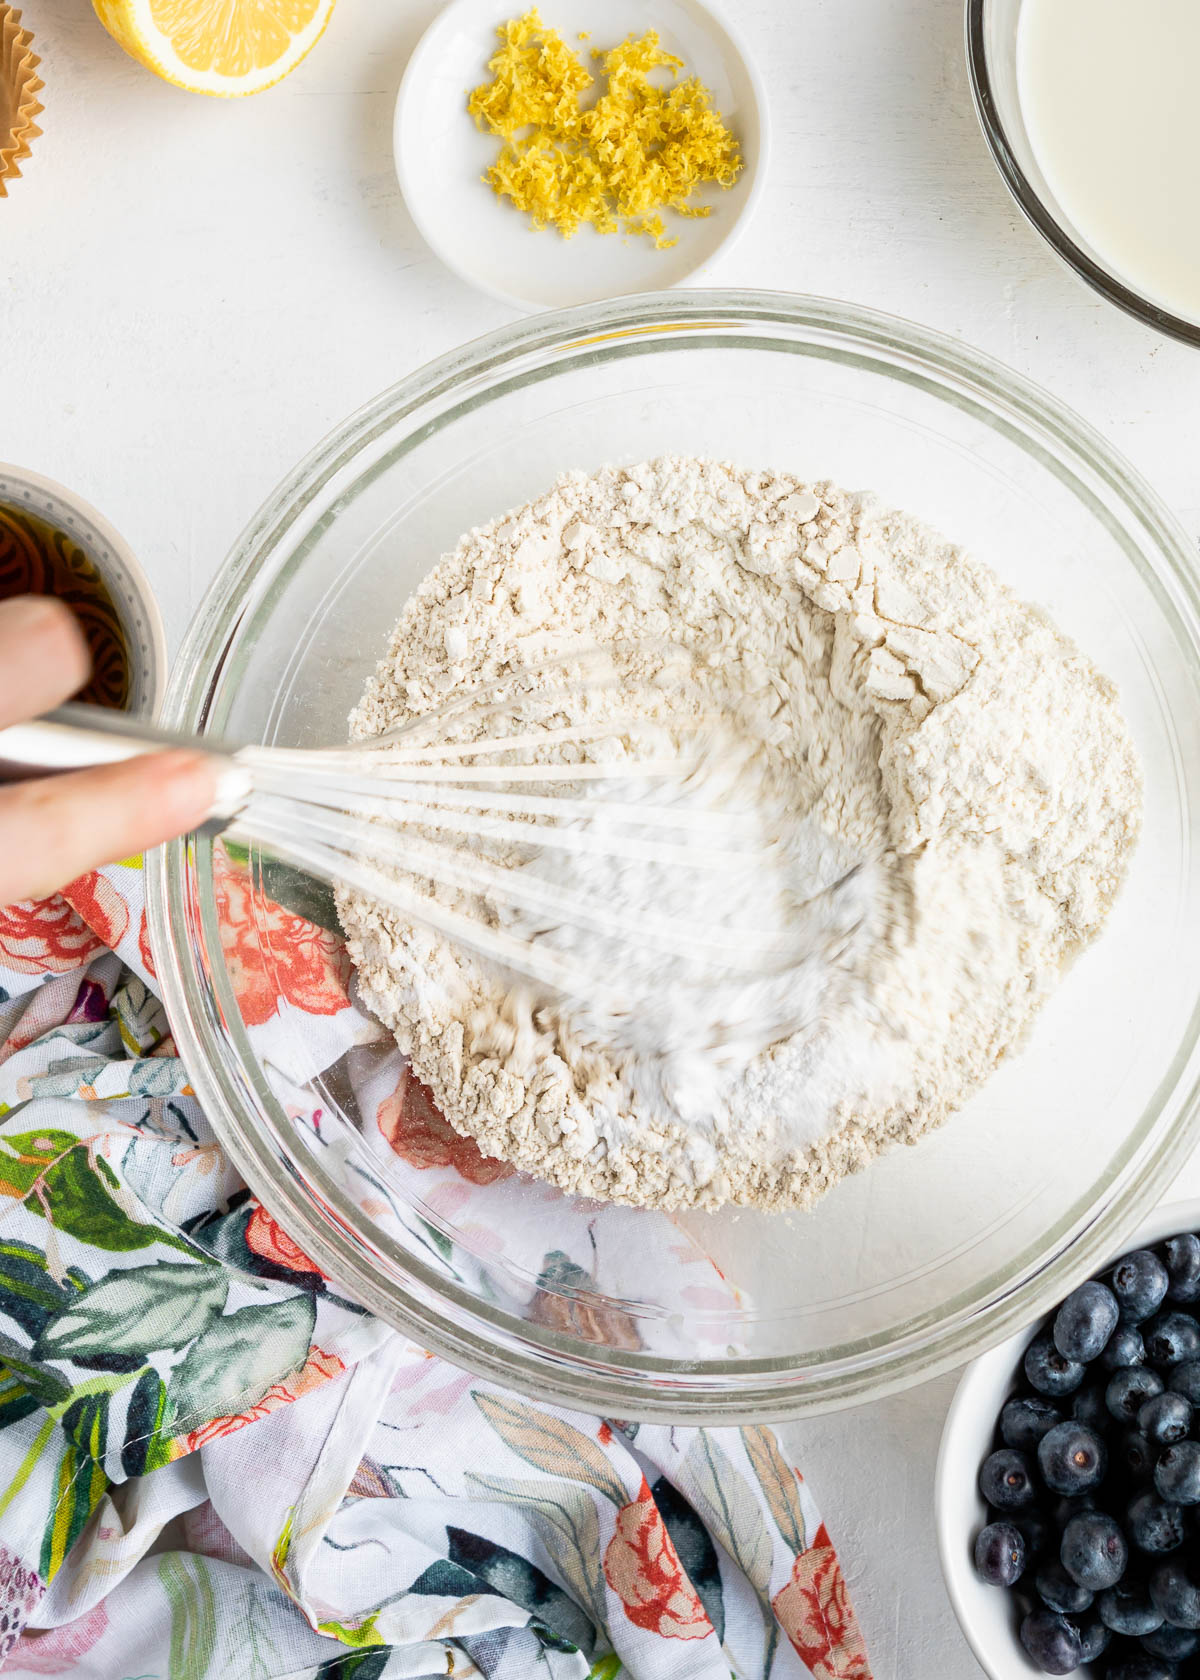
point(639, 149)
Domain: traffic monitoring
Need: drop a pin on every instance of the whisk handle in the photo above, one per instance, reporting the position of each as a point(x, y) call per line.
point(81, 737)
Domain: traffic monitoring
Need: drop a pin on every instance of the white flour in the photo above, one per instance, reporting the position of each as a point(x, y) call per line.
point(928, 721)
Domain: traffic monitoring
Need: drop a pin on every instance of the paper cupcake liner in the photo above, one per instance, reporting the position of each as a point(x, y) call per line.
point(19, 89)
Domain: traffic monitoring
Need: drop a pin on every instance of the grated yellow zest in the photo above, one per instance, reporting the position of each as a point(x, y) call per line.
point(639, 150)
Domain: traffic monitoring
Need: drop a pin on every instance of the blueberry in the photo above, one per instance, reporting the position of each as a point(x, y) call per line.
point(1171, 1338)
point(1164, 1419)
point(1177, 1473)
point(1152, 1525)
point(1006, 1480)
point(1137, 1455)
point(1058, 1591)
point(1094, 1638)
point(1085, 1321)
point(1093, 1550)
point(1182, 1257)
point(1048, 1371)
point(1128, 1390)
point(1088, 1406)
point(1052, 1642)
point(1072, 1458)
point(1139, 1282)
point(1140, 1667)
point(1024, 1421)
point(1173, 1593)
point(1000, 1554)
point(1175, 1644)
point(1036, 1532)
point(1185, 1380)
point(1127, 1608)
point(1124, 1347)
point(1064, 1509)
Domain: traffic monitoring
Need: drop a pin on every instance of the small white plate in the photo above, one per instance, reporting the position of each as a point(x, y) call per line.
point(441, 155)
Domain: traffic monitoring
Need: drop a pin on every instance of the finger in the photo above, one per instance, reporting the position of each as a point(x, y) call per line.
point(44, 656)
point(57, 827)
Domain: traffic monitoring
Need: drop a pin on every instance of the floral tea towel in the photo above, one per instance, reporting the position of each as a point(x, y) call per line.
point(213, 1465)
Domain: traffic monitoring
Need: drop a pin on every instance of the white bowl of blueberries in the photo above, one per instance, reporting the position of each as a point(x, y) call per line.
point(1068, 1483)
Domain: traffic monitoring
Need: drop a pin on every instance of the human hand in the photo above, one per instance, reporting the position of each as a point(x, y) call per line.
point(57, 827)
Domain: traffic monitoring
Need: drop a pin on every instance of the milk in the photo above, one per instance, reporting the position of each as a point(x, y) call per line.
point(1110, 91)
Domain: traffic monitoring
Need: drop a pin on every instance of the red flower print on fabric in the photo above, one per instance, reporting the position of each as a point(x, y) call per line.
point(97, 902)
point(815, 1612)
point(642, 1567)
point(58, 1650)
point(144, 950)
point(272, 954)
point(268, 1239)
point(45, 937)
point(317, 1369)
point(416, 1129)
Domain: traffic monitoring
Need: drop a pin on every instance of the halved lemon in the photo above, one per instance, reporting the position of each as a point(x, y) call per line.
point(224, 47)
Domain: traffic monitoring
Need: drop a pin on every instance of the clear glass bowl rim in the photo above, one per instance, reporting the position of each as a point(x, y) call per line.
point(1034, 207)
point(438, 1315)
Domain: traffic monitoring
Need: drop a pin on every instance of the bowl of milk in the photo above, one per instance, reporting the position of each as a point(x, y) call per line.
point(1092, 115)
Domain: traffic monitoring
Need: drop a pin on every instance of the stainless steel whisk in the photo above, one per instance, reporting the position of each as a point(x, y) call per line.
point(464, 799)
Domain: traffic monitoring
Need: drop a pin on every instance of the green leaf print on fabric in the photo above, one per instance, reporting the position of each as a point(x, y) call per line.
point(551, 1445)
point(728, 1504)
point(359, 1634)
point(154, 1076)
point(564, 1519)
point(135, 1312)
point(28, 1294)
point(186, 1582)
point(513, 1577)
point(78, 1488)
point(140, 1018)
point(694, 1549)
point(85, 1422)
point(45, 1384)
point(16, 1402)
point(443, 1579)
point(56, 1178)
point(148, 1417)
point(72, 1076)
point(358, 1665)
point(25, 1156)
point(778, 1482)
point(441, 1242)
point(238, 1358)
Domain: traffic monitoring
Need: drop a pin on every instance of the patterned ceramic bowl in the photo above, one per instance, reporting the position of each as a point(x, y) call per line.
point(89, 546)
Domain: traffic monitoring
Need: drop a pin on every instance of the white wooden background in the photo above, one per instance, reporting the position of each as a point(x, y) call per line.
point(192, 292)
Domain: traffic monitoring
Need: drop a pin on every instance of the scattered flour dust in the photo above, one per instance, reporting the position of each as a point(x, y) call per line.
point(940, 728)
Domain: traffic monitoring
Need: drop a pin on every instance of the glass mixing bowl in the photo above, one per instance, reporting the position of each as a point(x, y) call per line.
point(992, 27)
point(935, 1251)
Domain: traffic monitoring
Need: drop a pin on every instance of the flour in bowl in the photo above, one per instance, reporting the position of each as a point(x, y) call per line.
point(915, 718)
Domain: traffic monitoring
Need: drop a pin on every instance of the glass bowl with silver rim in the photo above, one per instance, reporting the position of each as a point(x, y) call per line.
point(993, 64)
point(913, 1265)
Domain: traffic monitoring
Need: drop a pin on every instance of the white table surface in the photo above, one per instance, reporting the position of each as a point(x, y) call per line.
point(193, 291)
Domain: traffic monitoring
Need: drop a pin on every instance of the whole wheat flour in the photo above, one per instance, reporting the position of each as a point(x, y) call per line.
point(917, 717)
